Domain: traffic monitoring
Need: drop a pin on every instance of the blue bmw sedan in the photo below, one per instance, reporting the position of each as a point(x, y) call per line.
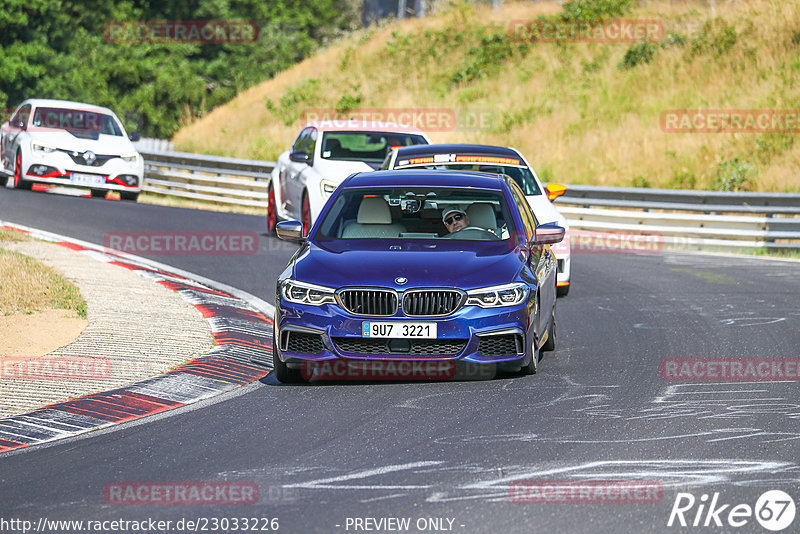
point(410, 274)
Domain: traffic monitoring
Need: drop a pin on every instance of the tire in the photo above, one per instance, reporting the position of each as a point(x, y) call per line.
point(282, 371)
point(99, 193)
point(562, 291)
point(125, 195)
point(550, 344)
point(306, 215)
point(18, 181)
point(531, 368)
point(272, 211)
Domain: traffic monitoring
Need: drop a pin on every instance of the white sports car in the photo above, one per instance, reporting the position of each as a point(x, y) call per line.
point(57, 142)
point(321, 157)
point(502, 160)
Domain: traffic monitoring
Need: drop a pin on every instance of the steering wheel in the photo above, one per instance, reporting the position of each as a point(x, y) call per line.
point(473, 232)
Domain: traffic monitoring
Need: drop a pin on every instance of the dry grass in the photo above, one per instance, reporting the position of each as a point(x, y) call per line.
point(179, 202)
point(28, 286)
point(571, 109)
point(7, 234)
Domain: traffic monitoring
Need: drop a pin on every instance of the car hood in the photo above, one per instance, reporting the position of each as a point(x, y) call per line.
point(104, 144)
point(461, 264)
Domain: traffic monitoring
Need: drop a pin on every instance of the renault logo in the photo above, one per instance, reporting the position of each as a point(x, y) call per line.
point(89, 157)
point(401, 281)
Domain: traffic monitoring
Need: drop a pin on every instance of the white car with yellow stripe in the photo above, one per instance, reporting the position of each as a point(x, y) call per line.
point(501, 160)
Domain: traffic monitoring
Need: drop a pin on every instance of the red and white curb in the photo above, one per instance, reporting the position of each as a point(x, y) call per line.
point(240, 323)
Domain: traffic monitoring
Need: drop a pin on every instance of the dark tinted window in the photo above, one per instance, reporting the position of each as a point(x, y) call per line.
point(23, 114)
point(416, 213)
point(370, 147)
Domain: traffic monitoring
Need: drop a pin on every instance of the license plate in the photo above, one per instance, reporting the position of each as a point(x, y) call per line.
point(399, 330)
point(79, 178)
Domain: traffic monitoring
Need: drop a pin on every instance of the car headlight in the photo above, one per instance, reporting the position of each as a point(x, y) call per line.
point(327, 187)
point(37, 147)
point(132, 158)
point(498, 296)
point(305, 293)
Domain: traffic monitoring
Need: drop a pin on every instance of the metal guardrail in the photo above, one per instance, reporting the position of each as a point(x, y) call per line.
point(688, 219)
point(218, 179)
point(684, 219)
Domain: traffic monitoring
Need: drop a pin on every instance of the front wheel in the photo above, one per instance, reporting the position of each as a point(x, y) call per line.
point(272, 213)
point(99, 193)
point(282, 371)
point(562, 291)
point(306, 215)
point(19, 181)
point(536, 355)
point(126, 195)
point(550, 344)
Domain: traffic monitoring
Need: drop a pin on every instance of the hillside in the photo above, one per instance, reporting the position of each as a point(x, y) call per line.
point(582, 112)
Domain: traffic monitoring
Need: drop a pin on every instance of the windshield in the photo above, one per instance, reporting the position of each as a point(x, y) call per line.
point(522, 175)
point(76, 120)
point(370, 147)
point(418, 213)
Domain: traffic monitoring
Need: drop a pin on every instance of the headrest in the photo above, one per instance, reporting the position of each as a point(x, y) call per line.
point(482, 215)
point(374, 210)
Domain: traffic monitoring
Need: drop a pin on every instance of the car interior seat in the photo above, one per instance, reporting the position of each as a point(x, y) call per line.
point(481, 214)
point(374, 220)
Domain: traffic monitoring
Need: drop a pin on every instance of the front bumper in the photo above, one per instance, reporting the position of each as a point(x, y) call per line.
point(57, 168)
point(493, 336)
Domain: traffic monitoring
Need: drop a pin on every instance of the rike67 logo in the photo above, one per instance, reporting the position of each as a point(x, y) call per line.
point(774, 510)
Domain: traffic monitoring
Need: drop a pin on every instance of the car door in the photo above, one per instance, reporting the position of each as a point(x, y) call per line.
point(286, 171)
point(11, 133)
point(541, 260)
point(295, 179)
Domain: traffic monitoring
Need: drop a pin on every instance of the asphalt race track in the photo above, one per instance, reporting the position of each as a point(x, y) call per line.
point(323, 456)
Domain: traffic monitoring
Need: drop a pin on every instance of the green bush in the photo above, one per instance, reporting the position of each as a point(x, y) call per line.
point(594, 10)
point(734, 175)
point(349, 102)
point(637, 54)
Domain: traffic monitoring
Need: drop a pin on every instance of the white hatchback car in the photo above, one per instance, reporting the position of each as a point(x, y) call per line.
point(56, 142)
point(502, 160)
point(322, 156)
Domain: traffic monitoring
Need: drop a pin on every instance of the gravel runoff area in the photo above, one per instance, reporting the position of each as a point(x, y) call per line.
point(137, 329)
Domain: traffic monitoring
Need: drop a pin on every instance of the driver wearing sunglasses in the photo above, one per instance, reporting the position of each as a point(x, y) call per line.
point(455, 219)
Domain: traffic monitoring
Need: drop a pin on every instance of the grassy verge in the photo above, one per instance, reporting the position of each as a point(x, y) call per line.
point(178, 202)
point(29, 286)
point(582, 112)
point(12, 235)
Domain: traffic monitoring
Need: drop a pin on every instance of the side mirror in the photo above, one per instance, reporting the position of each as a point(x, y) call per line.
point(133, 136)
point(300, 156)
point(555, 190)
point(19, 124)
point(548, 233)
point(290, 231)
